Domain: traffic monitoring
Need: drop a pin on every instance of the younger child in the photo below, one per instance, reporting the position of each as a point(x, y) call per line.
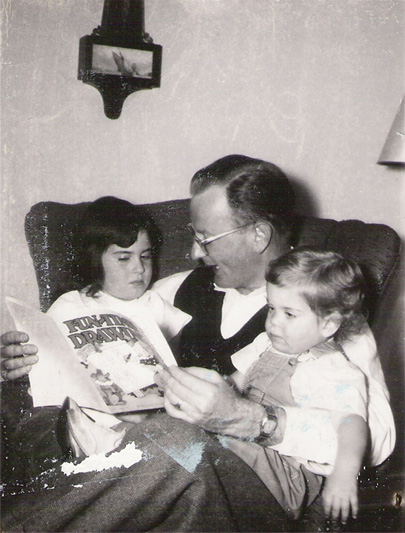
point(315, 301)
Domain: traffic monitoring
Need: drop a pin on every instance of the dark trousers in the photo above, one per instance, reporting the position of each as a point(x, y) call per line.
point(186, 481)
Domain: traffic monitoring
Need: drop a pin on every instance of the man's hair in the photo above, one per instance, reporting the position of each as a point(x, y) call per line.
point(108, 221)
point(257, 191)
point(329, 283)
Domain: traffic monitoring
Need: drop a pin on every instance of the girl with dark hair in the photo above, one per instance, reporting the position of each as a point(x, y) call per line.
point(117, 244)
point(111, 221)
point(114, 323)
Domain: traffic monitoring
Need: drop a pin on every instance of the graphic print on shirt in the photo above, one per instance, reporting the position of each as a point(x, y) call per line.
point(115, 353)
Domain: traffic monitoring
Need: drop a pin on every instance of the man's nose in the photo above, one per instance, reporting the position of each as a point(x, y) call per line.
point(197, 252)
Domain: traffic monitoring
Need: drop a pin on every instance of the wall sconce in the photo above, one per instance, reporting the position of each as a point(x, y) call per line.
point(393, 152)
point(119, 58)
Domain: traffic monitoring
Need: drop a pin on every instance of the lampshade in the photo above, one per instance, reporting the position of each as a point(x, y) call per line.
point(393, 152)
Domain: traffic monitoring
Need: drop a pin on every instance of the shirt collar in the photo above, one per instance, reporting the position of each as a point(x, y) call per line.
point(233, 292)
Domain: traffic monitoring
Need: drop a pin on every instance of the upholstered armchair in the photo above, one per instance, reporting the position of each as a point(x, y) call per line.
point(50, 229)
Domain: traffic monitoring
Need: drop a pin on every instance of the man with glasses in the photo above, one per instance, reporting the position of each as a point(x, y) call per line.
point(241, 214)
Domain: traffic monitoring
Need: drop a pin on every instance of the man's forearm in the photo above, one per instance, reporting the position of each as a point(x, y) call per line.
point(209, 401)
point(246, 422)
point(243, 421)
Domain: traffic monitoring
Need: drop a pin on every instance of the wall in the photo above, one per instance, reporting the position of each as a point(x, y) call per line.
point(312, 85)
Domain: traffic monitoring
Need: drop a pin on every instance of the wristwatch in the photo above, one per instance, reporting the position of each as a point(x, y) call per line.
point(267, 426)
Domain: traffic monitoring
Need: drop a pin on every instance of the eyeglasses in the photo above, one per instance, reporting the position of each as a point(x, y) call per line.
point(203, 243)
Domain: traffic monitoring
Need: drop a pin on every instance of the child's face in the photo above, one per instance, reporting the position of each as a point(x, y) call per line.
point(291, 324)
point(128, 271)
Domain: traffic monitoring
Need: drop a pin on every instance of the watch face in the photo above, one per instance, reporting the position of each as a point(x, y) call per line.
point(269, 427)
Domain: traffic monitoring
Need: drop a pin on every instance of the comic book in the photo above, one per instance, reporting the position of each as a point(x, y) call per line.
point(104, 361)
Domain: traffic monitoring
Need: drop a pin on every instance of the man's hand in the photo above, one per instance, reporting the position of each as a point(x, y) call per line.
point(16, 358)
point(204, 398)
point(339, 496)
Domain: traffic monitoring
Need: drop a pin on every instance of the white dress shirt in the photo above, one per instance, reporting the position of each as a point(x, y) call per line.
point(237, 308)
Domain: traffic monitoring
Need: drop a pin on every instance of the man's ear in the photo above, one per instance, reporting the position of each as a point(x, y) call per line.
point(263, 236)
point(331, 324)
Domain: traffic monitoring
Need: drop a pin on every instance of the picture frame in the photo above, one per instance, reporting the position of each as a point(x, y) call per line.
point(118, 67)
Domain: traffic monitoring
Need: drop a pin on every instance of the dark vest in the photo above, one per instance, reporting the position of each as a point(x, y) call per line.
point(201, 342)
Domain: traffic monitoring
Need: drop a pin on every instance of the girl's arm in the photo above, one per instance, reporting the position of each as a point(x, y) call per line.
point(340, 491)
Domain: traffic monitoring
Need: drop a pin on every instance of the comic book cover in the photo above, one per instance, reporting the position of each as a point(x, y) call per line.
point(103, 361)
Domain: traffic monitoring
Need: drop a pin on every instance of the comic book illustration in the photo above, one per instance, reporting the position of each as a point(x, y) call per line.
point(103, 361)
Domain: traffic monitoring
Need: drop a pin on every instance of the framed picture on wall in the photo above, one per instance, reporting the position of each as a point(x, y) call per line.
point(138, 65)
point(118, 67)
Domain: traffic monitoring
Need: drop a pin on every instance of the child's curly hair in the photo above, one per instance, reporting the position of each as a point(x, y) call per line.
point(329, 283)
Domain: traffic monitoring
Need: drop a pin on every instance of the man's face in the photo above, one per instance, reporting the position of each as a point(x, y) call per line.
point(233, 256)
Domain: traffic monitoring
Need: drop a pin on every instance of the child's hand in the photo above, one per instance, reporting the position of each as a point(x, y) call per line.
point(339, 496)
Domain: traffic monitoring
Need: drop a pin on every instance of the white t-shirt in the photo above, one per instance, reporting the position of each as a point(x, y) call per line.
point(169, 319)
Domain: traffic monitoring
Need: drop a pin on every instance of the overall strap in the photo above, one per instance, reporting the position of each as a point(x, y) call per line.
point(268, 380)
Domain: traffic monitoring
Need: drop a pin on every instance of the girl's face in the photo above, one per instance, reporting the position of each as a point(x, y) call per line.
point(128, 271)
point(291, 324)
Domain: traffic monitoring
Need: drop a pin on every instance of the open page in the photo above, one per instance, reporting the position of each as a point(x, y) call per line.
point(104, 361)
